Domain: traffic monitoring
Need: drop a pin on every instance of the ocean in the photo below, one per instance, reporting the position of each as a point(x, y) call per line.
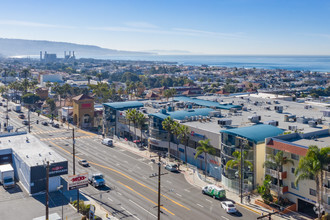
point(310, 63)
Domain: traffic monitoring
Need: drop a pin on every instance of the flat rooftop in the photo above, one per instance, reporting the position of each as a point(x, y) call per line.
point(30, 149)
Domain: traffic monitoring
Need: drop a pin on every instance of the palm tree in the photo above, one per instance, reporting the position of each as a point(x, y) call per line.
point(89, 79)
point(128, 117)
point(237, 162)
point(206, 148)
point(141, 120)
point(176, 132)
point(167, 126)
point(311, 167)
point(99, 75)
point(277, 162)
point(184, 136)
point(134, 119)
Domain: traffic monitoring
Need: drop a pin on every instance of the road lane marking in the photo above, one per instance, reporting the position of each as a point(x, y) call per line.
point(186, 190)
point(224, 217)
point(162, 207)
point(119, 193)
point(129, 213)
point(200, 205)
point(168, 181)
point(178, 194)
point(110, 199)
point(209, 200)
point(142, 208)
point(124, 175)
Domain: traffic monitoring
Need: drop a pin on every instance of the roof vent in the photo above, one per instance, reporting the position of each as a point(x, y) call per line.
point(50, 153)
point(39, 155)
point(27, 156)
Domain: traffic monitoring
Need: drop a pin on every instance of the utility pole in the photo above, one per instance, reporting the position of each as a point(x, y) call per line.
point(74, 165)
point(47, 189)
point(7, 116)
point(154, 175)
point(29, 120)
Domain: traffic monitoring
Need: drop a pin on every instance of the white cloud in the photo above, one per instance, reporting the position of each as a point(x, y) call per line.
point(175, 31)
point(31, 24)
point(140, 25)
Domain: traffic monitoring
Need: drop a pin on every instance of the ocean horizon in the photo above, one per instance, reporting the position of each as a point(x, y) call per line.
point(288, 62)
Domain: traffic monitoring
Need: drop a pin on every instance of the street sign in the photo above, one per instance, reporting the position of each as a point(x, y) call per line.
point(78, 181)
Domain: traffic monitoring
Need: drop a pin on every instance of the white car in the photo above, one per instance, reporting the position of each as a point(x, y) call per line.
point(229, 207)
point(107, 142)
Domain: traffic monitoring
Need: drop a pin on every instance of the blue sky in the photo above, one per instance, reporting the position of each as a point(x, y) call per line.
point(202, 27)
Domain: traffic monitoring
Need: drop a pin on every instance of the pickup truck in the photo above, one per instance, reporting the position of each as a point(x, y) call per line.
point(96, 180)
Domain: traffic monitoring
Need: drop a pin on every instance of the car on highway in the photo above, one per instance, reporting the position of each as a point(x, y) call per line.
point(107, 142)
point(21, 116)
point(0, 103)
point(5, 106)
point(44, 123)
point(83, 163)
point(55, 125)
point(229, 207)
point(25, 122)
point(172, 167)
point(3, 100)
point(96, 179)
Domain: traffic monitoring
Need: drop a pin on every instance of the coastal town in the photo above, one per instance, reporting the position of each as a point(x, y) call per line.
point(245, 136)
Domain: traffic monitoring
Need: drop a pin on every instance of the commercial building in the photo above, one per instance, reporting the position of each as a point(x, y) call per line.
point(83, 111)
point(249, 141)
point(114, 121)
point(29, 157)
point(295, 146)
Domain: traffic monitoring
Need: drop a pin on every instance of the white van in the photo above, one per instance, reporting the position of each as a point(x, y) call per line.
point(107, 141)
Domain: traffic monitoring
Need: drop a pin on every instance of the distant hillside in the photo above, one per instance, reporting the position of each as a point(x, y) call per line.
point(18, 47)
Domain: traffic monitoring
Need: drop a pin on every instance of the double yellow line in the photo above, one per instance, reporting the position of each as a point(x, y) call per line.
point(130, 178)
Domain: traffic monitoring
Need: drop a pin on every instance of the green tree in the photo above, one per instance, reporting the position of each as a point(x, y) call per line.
point(239, 162)
point(169, 93)
point(311, 167)
point(30, 98)
point(99, 75)
point(184, 136)
point(51, 103)
point(264, 190)
point(277, 162)
point(141, 120)
point(176, 132)
point(206, 148)
point(167, 124)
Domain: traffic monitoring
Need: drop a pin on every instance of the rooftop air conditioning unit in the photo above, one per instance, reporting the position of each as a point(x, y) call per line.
point(293, 127)
point(272, 122)
point(254, 118)
point(224, 122)
point(312, 124)
point(278, 108)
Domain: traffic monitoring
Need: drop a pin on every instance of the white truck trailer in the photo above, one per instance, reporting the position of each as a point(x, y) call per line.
point(7, 176)
point(17, 107)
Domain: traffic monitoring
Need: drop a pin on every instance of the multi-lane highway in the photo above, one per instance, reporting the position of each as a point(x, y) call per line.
point(130, 193)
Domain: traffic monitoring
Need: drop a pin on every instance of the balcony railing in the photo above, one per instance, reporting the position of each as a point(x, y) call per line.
point(283, 189)
point(273, 173)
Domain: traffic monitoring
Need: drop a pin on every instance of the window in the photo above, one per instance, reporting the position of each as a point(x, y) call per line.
point(312, 192)
point(293, 170)
point(294, 156)
point(294, 186)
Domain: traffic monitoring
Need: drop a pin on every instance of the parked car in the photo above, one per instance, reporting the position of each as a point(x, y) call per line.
point(44, 123)
point(107, 142)
point(21, 116)
point(229, 207)
point(5, 106)
point(83, 163)
point(51, 122)
point(214, 191)
point(172, 168)
point(0, 103)
point(55, 125)
point(25, 122)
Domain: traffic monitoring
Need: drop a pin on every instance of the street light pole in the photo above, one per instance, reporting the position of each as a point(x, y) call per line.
point(47, 189)
point(158, 212)
point(74, 165)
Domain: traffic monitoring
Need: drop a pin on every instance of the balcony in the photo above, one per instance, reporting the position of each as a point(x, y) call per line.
point(283, 189)
point(273, 173)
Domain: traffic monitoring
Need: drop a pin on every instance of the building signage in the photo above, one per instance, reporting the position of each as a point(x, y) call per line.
point(214, 162)
point(86, 105)
point(192, 133)
point(78, 181)
point(58, 170)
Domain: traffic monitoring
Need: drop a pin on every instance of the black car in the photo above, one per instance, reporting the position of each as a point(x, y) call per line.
point(21, 116)
point(56, 125)
point(44, 123)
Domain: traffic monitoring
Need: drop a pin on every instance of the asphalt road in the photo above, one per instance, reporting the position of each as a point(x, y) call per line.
point(130, 192)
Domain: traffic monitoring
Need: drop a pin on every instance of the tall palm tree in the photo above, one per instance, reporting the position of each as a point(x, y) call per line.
point(128, 117)
point(184, 136)
point(176, 132)
point(237, 162)
point(311, 167)
point(141, 120)
point(167, 126)
point(206, 148)
point(276, 162)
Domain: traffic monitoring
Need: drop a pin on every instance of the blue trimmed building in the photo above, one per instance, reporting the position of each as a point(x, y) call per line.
point(114, 121)
point(251, 140)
